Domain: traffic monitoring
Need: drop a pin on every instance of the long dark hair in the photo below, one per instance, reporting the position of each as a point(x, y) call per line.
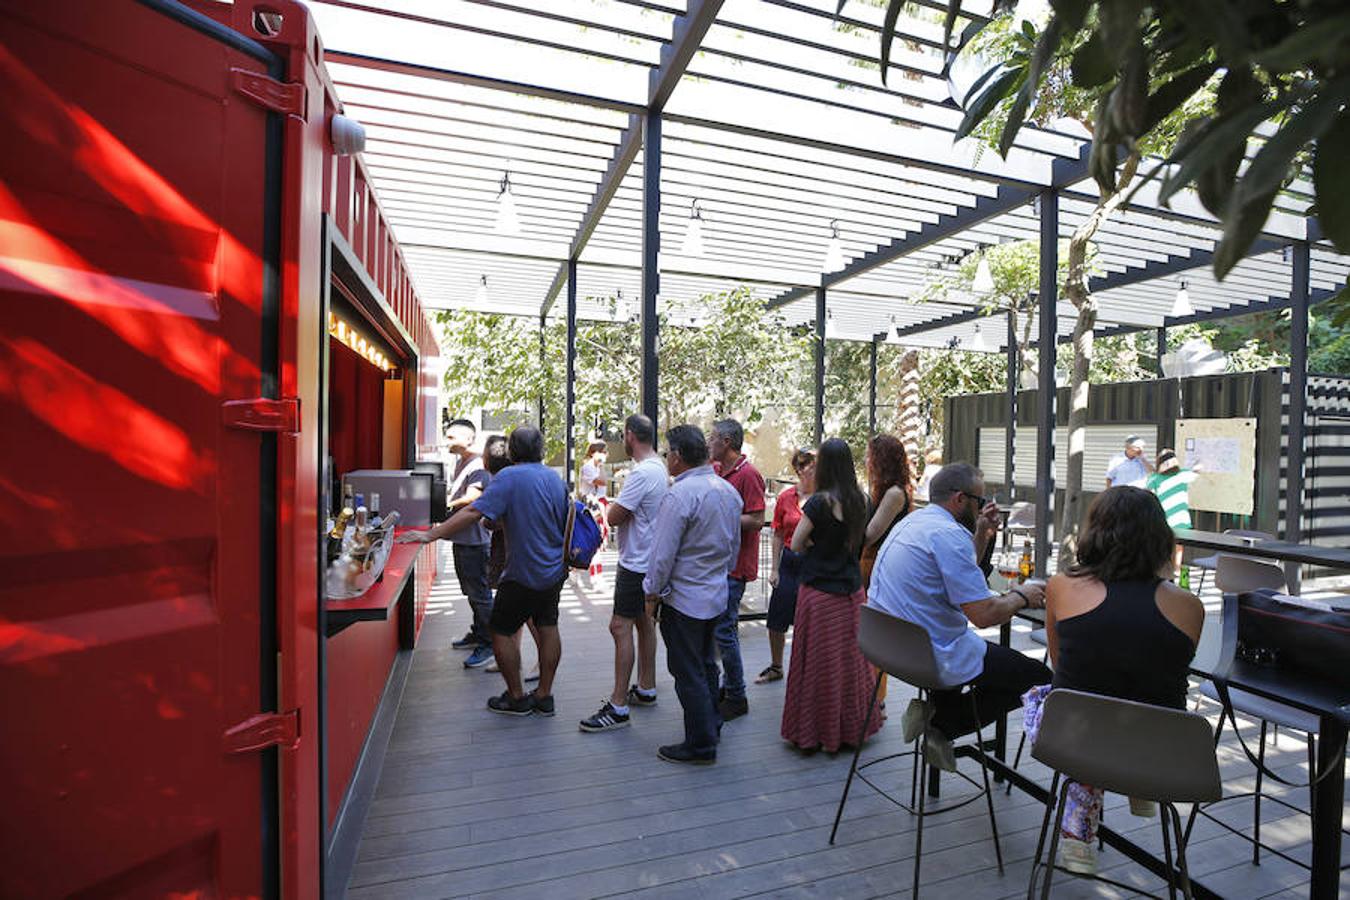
point(1126, 537)
point(836, 479)
point(887, 467)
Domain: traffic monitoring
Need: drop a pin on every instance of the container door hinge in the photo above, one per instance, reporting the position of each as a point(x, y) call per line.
point(270, 93)
point(263, 414)
point(265, 730)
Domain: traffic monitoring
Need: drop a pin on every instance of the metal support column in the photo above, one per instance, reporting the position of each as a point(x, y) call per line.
point(820, 365)
point(872, 390)
point(651, 246)
point(1045, 390)
point(543, 364)
point(1298, 402)
point(570, 378)
point(1010, 432)
point(1162, 347)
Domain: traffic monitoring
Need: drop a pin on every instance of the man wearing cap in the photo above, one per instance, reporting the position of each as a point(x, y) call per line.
point(1130, 467)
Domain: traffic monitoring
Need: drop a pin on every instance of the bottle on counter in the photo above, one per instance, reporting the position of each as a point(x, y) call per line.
point(359, 547)
point(348, 497)
point(1025, 565)
point(1184, 579)
point(375, 521)
point(337, 535)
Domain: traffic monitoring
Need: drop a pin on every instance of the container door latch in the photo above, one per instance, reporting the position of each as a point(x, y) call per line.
point(269, 93)
point(265, 730)
point(263, 414)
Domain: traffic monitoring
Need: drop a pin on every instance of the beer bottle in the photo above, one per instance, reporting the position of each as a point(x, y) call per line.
point(1024, 567)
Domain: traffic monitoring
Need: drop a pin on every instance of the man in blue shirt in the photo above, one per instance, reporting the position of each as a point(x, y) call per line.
point(694, 546)
point(529, 500)
point(926, 573)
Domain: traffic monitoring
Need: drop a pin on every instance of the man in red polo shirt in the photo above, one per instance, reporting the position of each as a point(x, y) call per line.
point(724, 448)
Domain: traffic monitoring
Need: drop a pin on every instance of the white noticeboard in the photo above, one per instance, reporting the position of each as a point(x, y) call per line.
point(1224, 451)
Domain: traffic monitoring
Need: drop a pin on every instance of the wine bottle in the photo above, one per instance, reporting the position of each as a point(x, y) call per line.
point(337, 535)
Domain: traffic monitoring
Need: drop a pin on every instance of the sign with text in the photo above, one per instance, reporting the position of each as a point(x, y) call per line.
point(1223, 454)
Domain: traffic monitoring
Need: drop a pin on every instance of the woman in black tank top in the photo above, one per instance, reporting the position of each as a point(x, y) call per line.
point(1114, 627)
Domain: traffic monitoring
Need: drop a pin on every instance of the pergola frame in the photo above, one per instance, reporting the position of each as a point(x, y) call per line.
point(909, 207)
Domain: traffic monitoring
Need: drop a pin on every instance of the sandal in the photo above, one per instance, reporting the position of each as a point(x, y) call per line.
point(770, 673)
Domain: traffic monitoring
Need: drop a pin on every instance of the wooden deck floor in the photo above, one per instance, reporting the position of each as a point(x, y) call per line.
point(472, 804)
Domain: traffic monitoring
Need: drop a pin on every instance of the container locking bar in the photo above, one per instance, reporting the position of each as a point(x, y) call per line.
point(265, 730)
point(263, 414)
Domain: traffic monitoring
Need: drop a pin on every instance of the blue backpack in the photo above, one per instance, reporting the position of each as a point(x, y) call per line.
point(581, 538)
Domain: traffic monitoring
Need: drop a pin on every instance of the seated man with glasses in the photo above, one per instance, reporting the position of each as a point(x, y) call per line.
point(926, 573)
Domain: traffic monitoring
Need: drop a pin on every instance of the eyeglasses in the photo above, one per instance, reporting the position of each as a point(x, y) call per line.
point(981, 502)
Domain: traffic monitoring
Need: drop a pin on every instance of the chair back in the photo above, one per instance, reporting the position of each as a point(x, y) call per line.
point(898, 647)
point(1250, 535)
point(1022, 515)
point(1239, 574)
point(1136, 749)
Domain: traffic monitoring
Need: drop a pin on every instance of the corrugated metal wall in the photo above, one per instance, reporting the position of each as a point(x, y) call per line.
point(1148, 405)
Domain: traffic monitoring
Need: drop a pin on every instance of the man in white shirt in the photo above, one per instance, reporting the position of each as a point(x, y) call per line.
point(633, 513)
point(1129, 468)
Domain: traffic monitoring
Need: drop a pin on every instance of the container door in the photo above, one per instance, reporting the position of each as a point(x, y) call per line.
point(136, 628)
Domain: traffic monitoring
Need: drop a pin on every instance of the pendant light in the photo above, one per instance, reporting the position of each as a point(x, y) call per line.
point(693, 234)
point(480, 296)
point(984, 278)
point(831, 329)
point(508, 220)
point(1182, 305)
point(620, 307)
point(834, 250)
point(977, 343)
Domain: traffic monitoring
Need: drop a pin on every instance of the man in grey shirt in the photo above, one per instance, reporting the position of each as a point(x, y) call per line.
point(470, 545)
point(693, 549)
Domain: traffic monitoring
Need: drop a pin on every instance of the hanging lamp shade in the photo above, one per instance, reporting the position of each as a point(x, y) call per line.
point(977, 343)
point(693, 234)
point(984, 277)
point(508, 218)
point(1181, 306)
point(834, 250)
point(621, 312)
point(831, 329)
point(480, 296)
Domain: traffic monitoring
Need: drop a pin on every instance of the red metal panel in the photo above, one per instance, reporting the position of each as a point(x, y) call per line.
point(131, 219)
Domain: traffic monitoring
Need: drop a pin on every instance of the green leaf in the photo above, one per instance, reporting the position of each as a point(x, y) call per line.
point(1000, 88)
point(1071, 12)
point(1166, 99)
point(1092, 65)
point(1270, 166)
point(1119, 26)
point(1028, 30)
point(1213, 141)
point(888, 32)
point(1340, 308)
point(1331, 179)
point(1045, 49)
point(1243, 221)
point(1307, 44)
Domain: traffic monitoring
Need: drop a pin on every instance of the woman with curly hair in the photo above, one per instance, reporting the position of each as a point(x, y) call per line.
point(892, 498)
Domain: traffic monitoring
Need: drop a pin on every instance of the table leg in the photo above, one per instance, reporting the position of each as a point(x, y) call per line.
point(1328, 805)
point(1001, 724)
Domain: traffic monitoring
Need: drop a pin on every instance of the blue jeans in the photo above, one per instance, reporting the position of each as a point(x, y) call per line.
point(729, 641)
point(471, 565)
point(692, 662)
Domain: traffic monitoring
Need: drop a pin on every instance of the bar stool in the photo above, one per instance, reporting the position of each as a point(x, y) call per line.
point(903, 649)
point(1149, 752)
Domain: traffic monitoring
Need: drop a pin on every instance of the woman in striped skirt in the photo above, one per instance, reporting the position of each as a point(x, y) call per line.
point(829, 684)
point(1171, 484)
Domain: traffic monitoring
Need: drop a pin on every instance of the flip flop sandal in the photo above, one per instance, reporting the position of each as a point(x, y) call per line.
point(770, 673)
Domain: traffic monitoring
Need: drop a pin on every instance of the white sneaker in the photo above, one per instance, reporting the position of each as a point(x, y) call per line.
point(1144, 809)
point(1077, 856)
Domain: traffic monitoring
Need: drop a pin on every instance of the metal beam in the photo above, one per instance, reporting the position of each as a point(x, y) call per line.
point(821, 316)
point(569, 376)
point(872, 390)
point(1010, 431)
point(689, 31)
point(968, 315)
point(1298, 400)
point(651, 273)
point(1270, 304)
point(1045, 393)
point(1173, 266)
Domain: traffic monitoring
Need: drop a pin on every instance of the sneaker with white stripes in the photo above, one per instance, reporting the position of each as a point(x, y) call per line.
point(607, 719)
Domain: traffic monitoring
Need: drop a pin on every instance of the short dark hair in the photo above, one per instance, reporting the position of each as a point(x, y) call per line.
point(732, 431)
point(526, 444)
point(689, 442)
point(596, 446)
point(801, 458)
point(954, 478)
point(1126, 537)
point(642, 429)
point(495, 449)
point(462, 423)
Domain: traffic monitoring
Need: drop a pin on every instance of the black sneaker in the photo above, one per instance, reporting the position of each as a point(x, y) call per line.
point(733, 708)
point(507, 705)
point(465, 643)
point(541, 706)
point(637, 698)
point(605, 720)
point(680, 753)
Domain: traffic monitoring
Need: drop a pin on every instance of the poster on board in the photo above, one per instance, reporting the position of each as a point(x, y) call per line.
point(1223, 453)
